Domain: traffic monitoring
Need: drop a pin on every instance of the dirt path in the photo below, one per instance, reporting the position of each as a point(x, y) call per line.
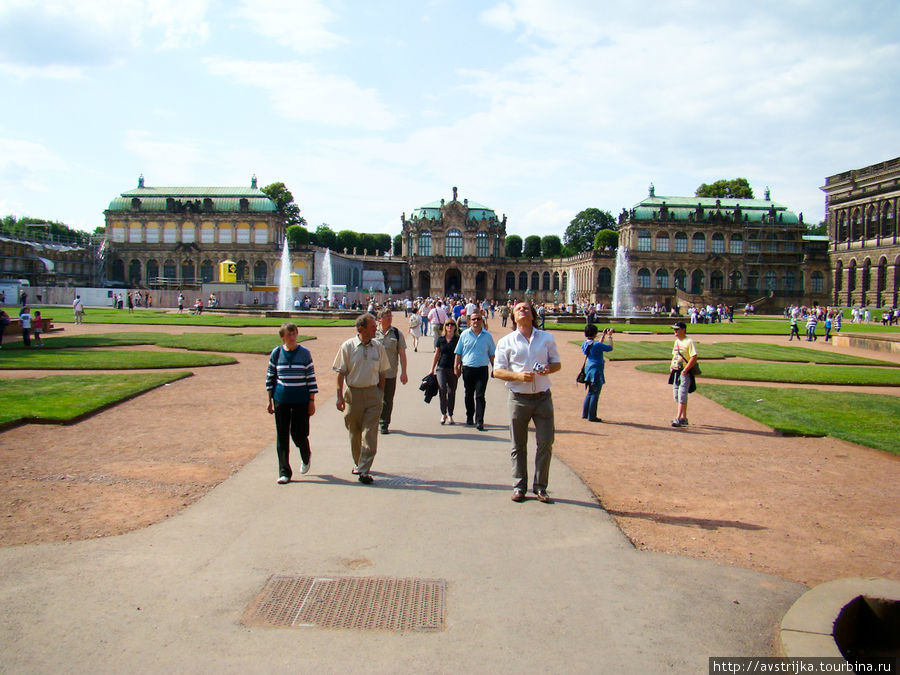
point(726, 488)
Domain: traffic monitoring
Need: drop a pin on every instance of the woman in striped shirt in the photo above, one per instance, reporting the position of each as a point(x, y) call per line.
point(291, 384)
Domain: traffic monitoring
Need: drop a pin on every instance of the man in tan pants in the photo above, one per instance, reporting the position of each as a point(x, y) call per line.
point(362, 363)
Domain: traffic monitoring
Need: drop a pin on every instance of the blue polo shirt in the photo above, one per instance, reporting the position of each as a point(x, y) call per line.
point(476, 350)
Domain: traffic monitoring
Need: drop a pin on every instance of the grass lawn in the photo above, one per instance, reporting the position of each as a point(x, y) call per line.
point(91, 359)
point(866, 419)
point(790, 372)
point(214, 342)
point(62, 398)
point(741, 326)
point(662, 351)
point(159, 317)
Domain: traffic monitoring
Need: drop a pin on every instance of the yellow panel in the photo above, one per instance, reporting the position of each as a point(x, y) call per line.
point(207, 225)
point(243, 226)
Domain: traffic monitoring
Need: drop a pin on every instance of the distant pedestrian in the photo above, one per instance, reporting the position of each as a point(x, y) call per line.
point(292, 389)
point(37, 328)
point(4, 322)
point(78, 309)
point(794, 329)
point(681, 372)
point(25, 318)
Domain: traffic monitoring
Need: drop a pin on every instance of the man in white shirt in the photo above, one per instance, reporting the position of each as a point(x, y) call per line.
point(437, 317)
point(524, 360)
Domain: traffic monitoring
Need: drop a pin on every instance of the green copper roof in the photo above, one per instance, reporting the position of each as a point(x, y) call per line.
point(681, 208)
point(476, 211)
point(222, 199)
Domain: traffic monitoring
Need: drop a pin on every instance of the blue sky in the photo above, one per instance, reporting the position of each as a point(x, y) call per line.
point(536, 108)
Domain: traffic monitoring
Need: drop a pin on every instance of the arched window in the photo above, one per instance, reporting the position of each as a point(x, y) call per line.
point(510, 281)
point(771, 281)
point(496, 245)
point(535, 281)
point(187, 271)
point(698, 243)
point(716, 280)
point(169, 271)
point(556, 281)
point(117, 271)
point(753, 282)
point(788, 281)
point(260, 272)
point(818, 282)
point(354, 279)
point(697, 282)
point(134, 272)
point(523, 281)
point(735, 281)
point(643, 276)
point(662, 242)
point(662, 278)
point(718, 243)
point(736, 245)
point(604, 277)
point(680, 242)
point(643, 243)
point(206, 271)
point(242, 271)
point(411, 244)
point(152, 271)
point(680, 277)
point(453, 244)
point(425, 244)
point(545, 282)
point(482, 247)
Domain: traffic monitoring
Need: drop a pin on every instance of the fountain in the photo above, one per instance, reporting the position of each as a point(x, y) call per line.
point(623, 301)
point(326, 281)
point(570, 288)
point(285, 287)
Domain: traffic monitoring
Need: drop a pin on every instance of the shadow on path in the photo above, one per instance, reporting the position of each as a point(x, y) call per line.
point(686, 521)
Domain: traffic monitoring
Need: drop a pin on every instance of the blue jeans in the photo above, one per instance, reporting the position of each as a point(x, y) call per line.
point(591, 399)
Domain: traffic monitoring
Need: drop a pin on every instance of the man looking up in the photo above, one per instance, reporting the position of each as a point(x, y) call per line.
point(362, 364)
point(474, 357)
point(525, 359)
point(395, 347)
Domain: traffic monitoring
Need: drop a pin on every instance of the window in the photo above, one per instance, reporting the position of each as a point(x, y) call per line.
point(643, 276)
point(243, 235)
point(496, 245)
point(260, 235)
point(680, 242)
point(187, 271)
point(662, 278)
point(604, 277)
point(152, 270)
point(698, 243)
point(152, 234)
point(680, 277)
point(736, 245)
point(510, 281)
point(818, 282)
point(134, 232)
point(482, 247)
point(535, 281)
point(187, 233)
point(425, 244)
point(169, 269)
point(207, 235)
point(118, 233)
point(771, 281)
point(556, 281)
point(716, 280)
point(241, 273)
point(523, 281)
point(662, 242)
point(788, 281)
point(134, 272)
point(225, 235)
point(718, 243)
point(735, 281)
point(260, 271)
point(771, 245)
point(545, 285)
point(169, 235)
point(753, 282)
point(643, 243)
point(453, 244)
point(697, 282)
point(206, 271)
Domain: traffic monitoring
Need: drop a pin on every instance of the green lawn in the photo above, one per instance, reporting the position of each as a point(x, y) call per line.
point(790, 372)
point(866, 419)
point(61, 315)
point(741, 326)
point(662, 351)
point(213, 342)
point(62, 398)
point(92, 359)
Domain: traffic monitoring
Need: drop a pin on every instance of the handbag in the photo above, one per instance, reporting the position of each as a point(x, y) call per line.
point(581, 378)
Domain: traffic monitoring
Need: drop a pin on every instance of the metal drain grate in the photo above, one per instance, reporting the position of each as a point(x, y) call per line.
point(360, 603)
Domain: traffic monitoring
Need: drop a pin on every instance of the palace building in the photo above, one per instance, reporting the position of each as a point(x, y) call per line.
point(861, 213)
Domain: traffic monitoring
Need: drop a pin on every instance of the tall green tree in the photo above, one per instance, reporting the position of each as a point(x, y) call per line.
point(325, 237)
point(382, 242)
point(551, 246)
point(532, 247)
point(398, 244)
point(513, 246)
point(348, 239)
point(738, 188)
point(297, 235)
point(581, 232)
point(606, 239)
point(284, 201)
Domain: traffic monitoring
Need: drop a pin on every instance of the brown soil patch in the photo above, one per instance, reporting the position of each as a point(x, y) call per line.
point(725, 489)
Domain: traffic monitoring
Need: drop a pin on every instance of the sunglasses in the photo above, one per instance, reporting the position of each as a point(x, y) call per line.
point(449, 325)
point(475, 318)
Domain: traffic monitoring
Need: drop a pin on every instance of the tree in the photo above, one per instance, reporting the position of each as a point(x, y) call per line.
point(820, 229)
point(739, 188)
point(347, 239)
point(583, 229)
point(514, 246)
point(367, 243)
point(398, 244)
point(284, 202)
point(532, 248)
point(606, 239)
point(325, 237)
point(297, 235)
point(551, 246)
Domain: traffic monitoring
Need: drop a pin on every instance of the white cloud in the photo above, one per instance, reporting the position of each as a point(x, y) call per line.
point(26, 165)
point(297, 24)
point(300, 92)
point(169, 161)
point(544, 219)
point(51, 72)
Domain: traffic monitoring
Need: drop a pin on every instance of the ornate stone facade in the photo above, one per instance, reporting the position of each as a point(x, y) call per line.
point(861, 213)
point(700, 250)
point(176, 236)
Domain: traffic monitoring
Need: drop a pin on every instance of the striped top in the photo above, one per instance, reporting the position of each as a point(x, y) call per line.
point(291, 375)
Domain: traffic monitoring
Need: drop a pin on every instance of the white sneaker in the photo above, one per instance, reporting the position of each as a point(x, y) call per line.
point(283, 479)
point(304, 468)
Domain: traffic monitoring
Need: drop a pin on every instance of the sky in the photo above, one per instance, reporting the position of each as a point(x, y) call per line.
point(367, 110)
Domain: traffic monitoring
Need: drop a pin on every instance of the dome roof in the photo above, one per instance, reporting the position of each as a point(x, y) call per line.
point(476, 211)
